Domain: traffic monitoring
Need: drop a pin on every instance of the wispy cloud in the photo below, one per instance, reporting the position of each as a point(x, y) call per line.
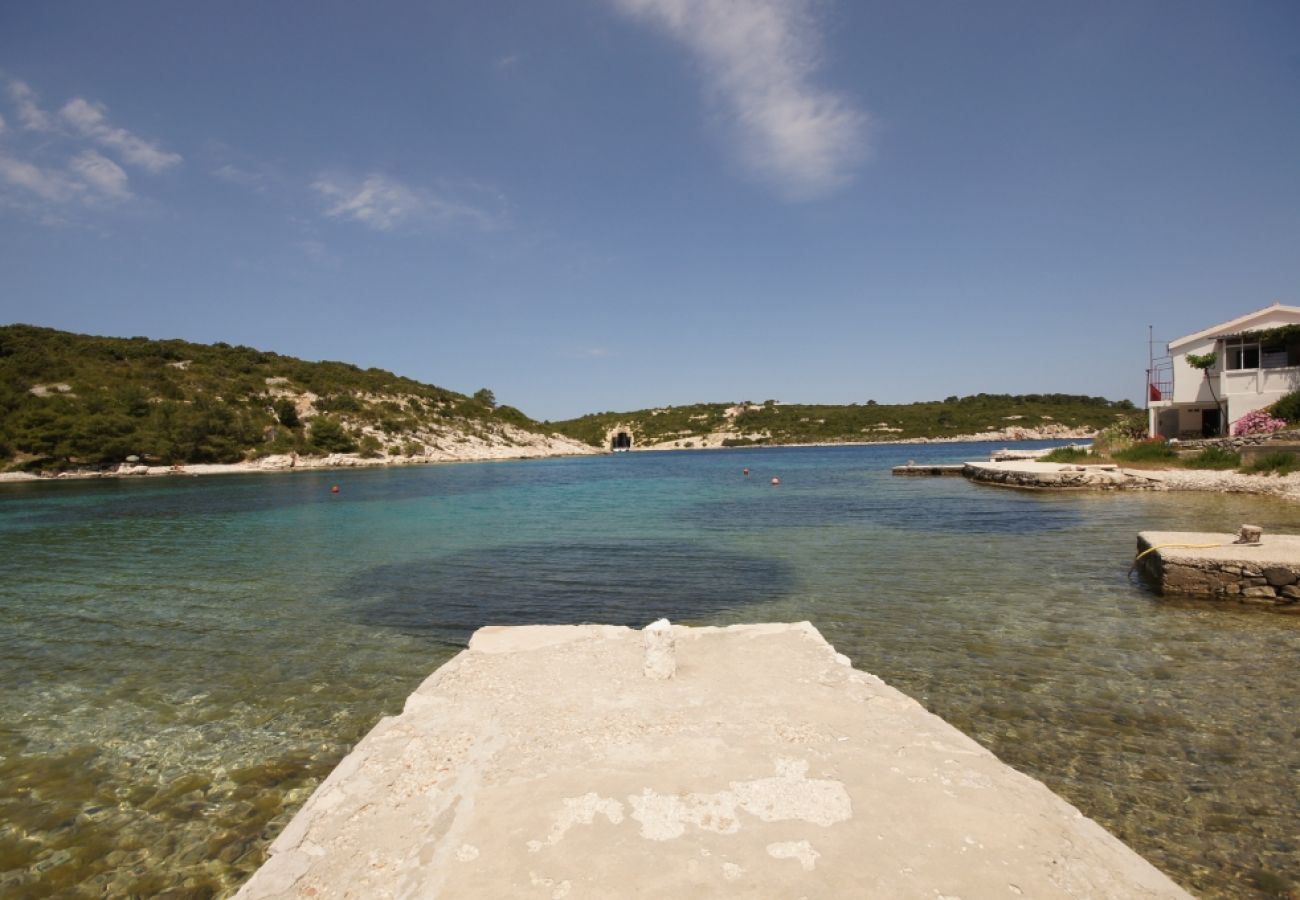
point(233, 174)
point(385, 204)
point(62, 166)
point(90, 120)
point(48, 184)
point(759, 58)
point(2, 124)
point(595, 352)
point(29, 112)
point(102, 174)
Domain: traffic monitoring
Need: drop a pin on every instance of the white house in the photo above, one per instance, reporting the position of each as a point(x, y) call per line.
point(1257, 362)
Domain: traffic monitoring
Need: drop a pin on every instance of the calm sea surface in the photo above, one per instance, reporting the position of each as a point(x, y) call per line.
point(183, 660)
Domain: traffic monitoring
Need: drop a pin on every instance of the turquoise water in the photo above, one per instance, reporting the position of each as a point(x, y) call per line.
point(184, 659)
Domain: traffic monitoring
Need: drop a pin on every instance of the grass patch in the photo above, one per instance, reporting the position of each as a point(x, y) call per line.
point(1276, 463)
point(1067, 455)
point(1146, 451)
point(1213, 458)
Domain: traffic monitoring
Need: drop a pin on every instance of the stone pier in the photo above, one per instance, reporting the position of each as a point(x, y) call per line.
point(1214, 566)
point(563, 762)
point(1060, 476)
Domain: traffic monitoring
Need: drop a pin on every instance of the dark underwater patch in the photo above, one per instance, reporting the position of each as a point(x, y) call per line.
point(515, 584)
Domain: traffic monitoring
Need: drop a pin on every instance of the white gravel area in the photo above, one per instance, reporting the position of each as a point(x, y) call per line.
point(1227, 482)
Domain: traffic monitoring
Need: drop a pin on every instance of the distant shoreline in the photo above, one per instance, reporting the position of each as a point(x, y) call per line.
point(338, 461)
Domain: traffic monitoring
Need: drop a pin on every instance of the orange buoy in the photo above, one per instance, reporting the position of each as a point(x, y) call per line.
point(335, 489)
point(747, 471)
point(776, 481)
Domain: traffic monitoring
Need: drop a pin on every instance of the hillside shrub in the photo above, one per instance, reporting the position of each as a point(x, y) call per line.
point(287, 413)
point(1257, 421)
point(328, 436)
point(1288, 407)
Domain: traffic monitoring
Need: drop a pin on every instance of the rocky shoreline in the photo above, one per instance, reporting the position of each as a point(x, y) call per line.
point(520, 445)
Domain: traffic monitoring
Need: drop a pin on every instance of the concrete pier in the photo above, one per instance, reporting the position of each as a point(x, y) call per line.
point(543, 762)
point(1212, 565)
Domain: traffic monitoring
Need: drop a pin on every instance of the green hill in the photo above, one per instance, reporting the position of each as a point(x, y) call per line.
point(779, 423)
point(69, 400)
point(76, 401)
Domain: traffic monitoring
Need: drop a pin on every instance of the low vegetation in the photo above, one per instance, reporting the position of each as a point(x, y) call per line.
point(70, 400)
point(1145, 451)
point(1212, 458)
point(1278, 463)
point(1070, 455)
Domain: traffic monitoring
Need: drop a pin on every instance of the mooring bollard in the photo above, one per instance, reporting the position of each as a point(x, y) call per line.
point(1249, 534)
point(660, 650)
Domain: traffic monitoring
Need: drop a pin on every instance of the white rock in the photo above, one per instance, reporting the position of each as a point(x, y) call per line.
point(660, 650)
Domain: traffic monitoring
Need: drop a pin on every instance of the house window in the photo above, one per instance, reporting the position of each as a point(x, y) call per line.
point(1240, 355)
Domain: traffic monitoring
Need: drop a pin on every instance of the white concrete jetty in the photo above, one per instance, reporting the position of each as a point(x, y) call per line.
point(750, 761)
point(1222, 567)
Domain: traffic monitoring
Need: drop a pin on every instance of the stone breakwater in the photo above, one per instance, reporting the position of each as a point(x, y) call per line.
point(1032, 474)
point(1212, 565)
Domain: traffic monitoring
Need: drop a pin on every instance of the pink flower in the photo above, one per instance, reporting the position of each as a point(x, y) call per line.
point(1257, 421)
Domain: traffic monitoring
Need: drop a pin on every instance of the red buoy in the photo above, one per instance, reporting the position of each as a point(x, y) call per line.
point(747, 471)
point(335, 489)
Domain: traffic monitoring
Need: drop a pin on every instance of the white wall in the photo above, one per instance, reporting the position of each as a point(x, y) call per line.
point(1189, 384)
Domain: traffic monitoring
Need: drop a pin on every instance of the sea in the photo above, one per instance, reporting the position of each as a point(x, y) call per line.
point(182, 660)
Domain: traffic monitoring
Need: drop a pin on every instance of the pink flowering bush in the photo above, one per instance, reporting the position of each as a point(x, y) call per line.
point(1259, 421)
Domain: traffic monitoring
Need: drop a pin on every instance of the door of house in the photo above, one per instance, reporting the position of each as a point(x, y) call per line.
point(1210, 422)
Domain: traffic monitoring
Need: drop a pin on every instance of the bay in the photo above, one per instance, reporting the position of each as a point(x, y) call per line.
point(184, 659)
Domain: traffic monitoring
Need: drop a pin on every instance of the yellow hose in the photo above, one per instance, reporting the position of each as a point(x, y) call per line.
point(1179, 546)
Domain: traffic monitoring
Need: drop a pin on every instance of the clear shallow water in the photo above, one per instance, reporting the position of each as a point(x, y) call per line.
point(184, 660)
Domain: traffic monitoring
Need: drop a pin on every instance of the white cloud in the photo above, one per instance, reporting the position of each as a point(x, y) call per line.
point(256, 181)
point(758, 58)
point(31, 115)
point(102, 174)
point(384, 204)
point(48, 184)
point(89, 119)
point(2, 124)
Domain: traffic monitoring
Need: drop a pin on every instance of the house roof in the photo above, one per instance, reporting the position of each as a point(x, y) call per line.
point(1232, 326)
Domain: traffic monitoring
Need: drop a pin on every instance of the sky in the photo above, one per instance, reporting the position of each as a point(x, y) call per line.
point(592, 205)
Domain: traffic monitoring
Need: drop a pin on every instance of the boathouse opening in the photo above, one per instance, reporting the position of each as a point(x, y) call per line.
point(621, 441)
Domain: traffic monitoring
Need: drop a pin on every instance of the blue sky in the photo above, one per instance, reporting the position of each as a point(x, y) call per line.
point(613, 204)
